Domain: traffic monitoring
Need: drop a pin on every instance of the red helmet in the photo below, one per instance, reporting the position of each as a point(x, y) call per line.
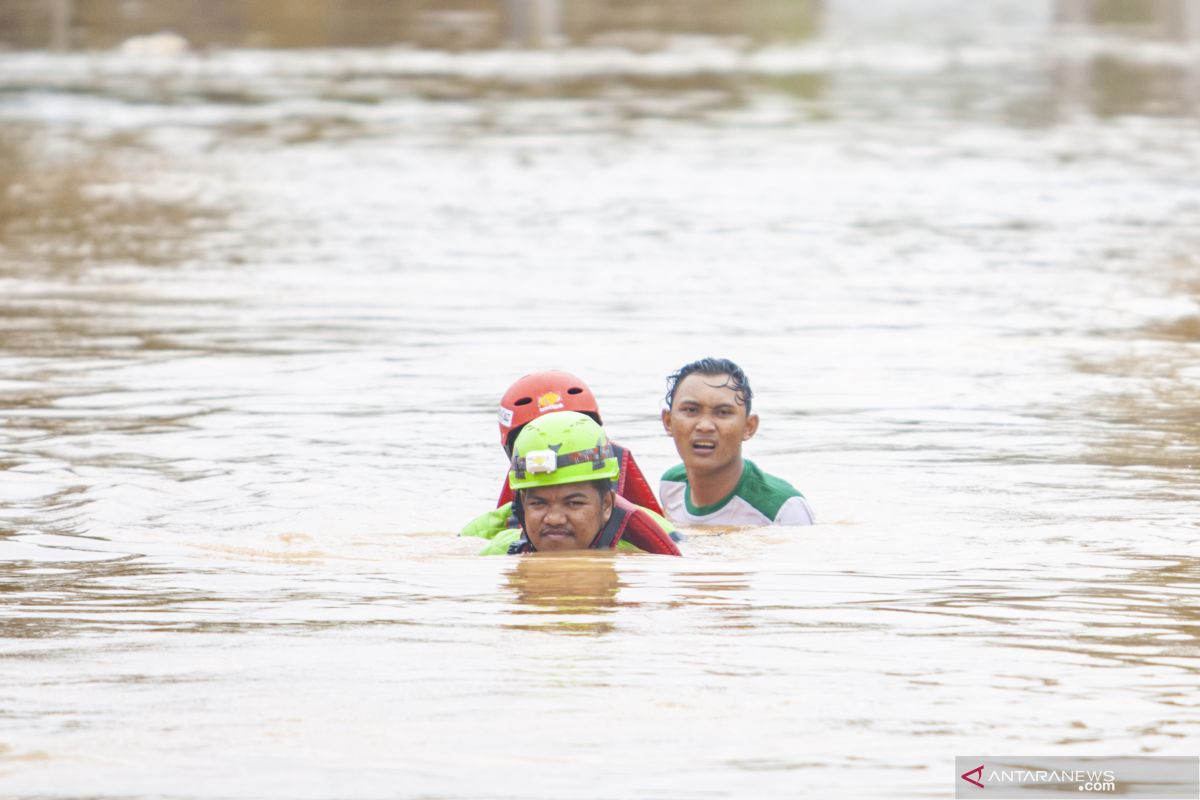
point(542, 392)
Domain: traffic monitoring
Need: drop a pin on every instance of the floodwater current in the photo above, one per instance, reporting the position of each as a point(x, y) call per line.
point(257, 308)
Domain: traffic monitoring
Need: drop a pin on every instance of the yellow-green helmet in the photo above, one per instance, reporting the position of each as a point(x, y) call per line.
point(561, 447)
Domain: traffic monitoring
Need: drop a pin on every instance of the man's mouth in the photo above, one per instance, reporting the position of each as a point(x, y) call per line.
point(704, 445)
point(557, 533)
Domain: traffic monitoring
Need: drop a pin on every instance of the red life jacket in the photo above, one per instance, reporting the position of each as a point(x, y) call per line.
point(629, 523)
point(631, 484)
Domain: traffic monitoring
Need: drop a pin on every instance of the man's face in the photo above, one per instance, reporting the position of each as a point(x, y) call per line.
point(708, 423)
point(565, 517)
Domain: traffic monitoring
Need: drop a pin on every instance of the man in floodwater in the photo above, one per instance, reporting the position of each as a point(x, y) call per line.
point(527, 399)
point(708, 415)
point(563, 469)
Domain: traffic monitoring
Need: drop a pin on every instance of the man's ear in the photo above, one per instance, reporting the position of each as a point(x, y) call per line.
point(751, 427)
point(607, 506)
point(666, 418)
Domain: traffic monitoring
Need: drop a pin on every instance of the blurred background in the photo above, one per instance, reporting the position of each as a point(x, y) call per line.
point(478, 24)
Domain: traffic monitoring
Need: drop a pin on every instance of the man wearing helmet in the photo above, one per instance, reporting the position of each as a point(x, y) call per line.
point(526, 400)
point(553, 390)
point(563, 469)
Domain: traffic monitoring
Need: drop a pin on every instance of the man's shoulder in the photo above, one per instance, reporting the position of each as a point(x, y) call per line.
point(766, 492)
point(760, 481)
point(489, 523)
point(649, 531)
point(631, 507)
point(500, 544)
point(676, 474)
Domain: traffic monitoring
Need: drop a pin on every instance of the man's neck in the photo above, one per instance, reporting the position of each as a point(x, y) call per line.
point(713, 487)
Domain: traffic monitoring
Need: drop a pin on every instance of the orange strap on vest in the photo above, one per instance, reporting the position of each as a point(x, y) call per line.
point(635, 526)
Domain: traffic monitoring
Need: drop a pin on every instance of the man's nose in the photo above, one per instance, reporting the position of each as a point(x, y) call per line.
point(555, 515)
point(705, 423)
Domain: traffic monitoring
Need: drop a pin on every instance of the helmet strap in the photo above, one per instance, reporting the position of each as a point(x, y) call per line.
point(596, 456)
point(518, 508)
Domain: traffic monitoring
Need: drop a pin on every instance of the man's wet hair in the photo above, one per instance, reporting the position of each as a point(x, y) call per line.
point(737, 379)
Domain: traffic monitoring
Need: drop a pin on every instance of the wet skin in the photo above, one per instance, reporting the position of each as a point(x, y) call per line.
point(708, 422)
point(566, 517)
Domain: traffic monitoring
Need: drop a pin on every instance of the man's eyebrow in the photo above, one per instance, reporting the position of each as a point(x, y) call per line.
point(694, 402)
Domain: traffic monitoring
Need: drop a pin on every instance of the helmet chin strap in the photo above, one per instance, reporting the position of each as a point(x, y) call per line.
point(518, 508)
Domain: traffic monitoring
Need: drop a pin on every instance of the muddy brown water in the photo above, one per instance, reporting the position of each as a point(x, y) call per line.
point(257, 307)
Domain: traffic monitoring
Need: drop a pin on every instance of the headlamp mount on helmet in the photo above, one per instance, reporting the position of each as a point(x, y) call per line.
point(544, 462)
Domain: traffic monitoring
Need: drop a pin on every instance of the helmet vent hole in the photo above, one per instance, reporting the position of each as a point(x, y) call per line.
point(574, 390)
point(524, 401)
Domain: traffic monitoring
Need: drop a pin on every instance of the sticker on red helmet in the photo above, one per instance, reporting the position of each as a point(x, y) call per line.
point(506, 416)
point(550, 401)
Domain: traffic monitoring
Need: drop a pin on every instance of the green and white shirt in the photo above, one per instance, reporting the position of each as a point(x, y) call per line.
point(758, 499)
